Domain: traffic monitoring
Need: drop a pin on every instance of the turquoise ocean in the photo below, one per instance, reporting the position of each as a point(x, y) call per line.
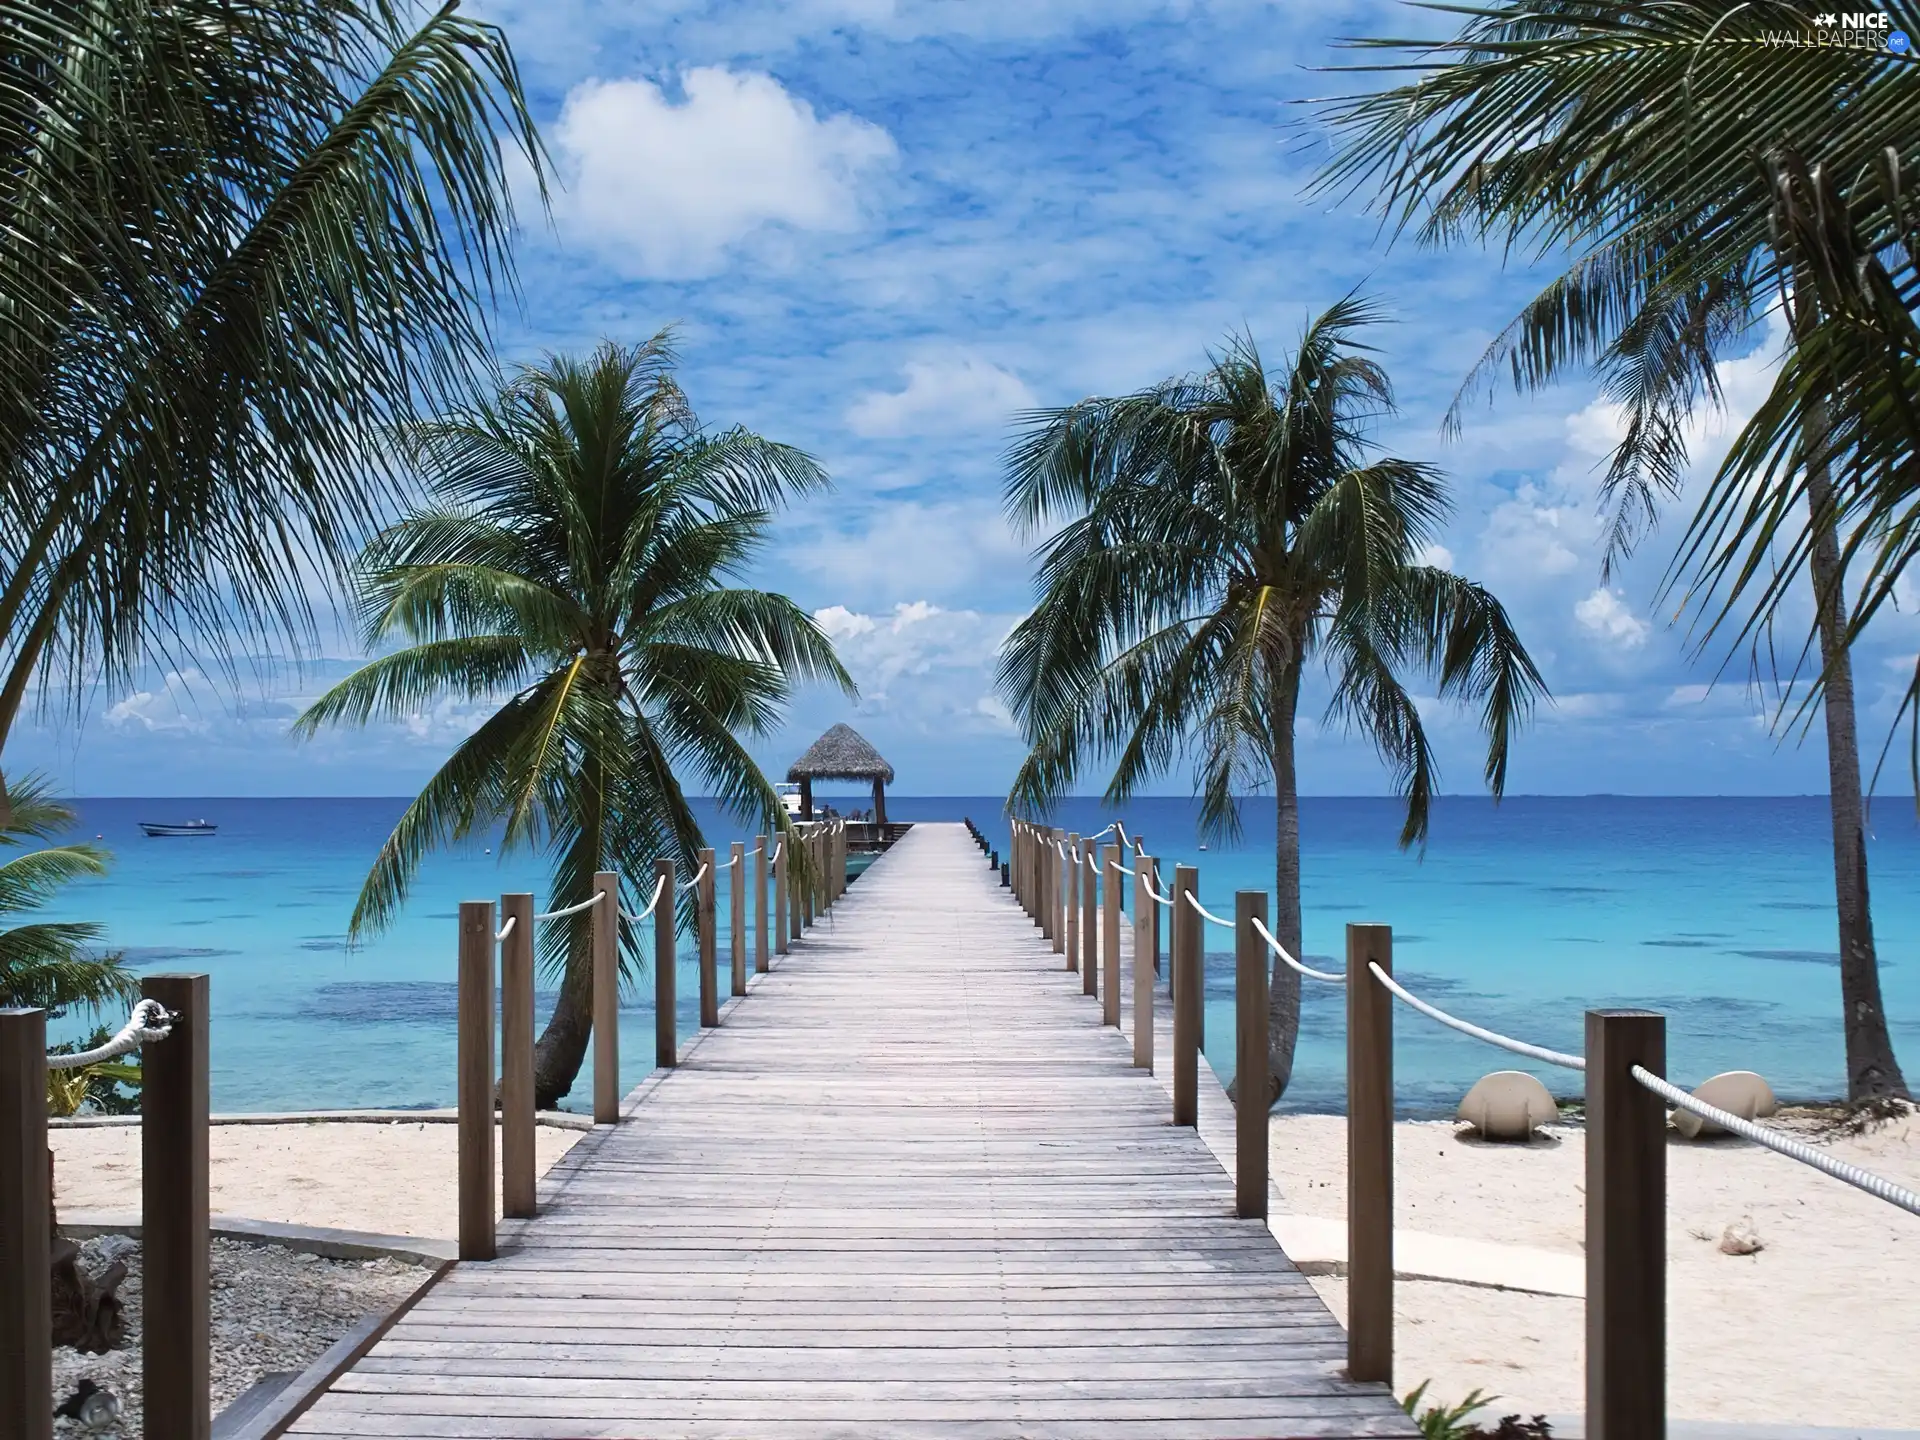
point(1718, 912)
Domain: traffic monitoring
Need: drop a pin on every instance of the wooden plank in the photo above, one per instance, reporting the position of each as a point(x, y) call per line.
point(910, 1191)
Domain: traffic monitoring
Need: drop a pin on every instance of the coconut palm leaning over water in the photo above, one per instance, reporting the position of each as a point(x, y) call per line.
point(241, 239)
point(1218, 532)
point(576, 556)
point(1704, 176)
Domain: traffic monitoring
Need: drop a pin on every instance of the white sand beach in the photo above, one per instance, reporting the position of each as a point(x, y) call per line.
point(395, 1179)
point(1820, 1327)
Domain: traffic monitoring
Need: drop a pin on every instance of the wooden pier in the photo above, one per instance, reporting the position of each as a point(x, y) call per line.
point(910, 1187)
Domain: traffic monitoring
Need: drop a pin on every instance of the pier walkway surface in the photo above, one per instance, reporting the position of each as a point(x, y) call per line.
point(911, 1187)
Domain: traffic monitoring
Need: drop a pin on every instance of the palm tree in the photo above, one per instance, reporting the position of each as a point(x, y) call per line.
point(51, 965)
point(1220, 531)
point(576, 557)
point(240, 240)
point(1701, 172)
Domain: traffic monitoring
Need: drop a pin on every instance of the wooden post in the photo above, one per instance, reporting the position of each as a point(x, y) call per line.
point(26, 1236)
point(737, 904)
point(1141, 858)
point(1626, 1227)
point(1250, 1056)
point(810, 883)
point(1369, 1155)
point(783, 848)
point(1053, 882)
point(606, 999)
point(1089, 923)
point(176, 1328)
point(1018, 867)
point(1146, 936)
point(517, 1165)
point(703, 924)
point(475, 1080)
point(666, 1022)
point(1110, 935)
point(1070, 882)
point(1189, 988)
point(761, 963)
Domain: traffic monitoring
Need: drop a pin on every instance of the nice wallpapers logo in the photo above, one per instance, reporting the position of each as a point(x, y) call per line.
point(1859, 30)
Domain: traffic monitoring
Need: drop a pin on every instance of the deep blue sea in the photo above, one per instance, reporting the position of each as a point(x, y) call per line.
point(1718, 912)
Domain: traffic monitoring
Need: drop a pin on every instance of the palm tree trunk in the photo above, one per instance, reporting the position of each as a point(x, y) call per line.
point(562, 1047)
point(1872, 1071)
point(1283, 996)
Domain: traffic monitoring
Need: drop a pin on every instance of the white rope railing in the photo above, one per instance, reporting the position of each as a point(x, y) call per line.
point(1125, 869)
point(777, 847)
point(698, 876)
point(507, 929)
point(1194, 901)
point(1491, 1037)
point(1875, 1185)
point(735, 860)
point(1166, 900)
point(1281, 950)
point(659, 888)
point(148, 1022)
point(586, 904)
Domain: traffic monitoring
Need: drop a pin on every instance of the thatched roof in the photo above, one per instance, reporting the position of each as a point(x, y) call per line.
point(841, 754)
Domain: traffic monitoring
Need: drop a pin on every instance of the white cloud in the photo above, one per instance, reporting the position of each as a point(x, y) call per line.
point(942, 398)
point(946, 657)
point(663, 186)
point(841, 623)
point(1535, 535)
point(907, 546)
point(168, 709)
point(1604, 613)
point(1438, 556)
point(1591, 705)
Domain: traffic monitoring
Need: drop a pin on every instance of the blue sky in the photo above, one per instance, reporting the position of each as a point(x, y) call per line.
point(883, 227)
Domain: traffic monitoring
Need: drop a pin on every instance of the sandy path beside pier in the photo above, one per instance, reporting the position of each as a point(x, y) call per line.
point(1820, 1327)
point(396, 1179)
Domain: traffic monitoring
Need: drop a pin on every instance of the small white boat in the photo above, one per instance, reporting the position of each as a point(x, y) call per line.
point(789, 794)
point(186, 827)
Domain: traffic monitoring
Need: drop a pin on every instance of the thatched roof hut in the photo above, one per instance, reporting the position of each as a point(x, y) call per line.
point(843, 753)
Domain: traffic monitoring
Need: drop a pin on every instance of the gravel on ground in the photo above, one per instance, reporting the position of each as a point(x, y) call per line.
point(274, 1311)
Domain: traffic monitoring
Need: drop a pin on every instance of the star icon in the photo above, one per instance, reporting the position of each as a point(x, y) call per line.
point(1826, 21)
